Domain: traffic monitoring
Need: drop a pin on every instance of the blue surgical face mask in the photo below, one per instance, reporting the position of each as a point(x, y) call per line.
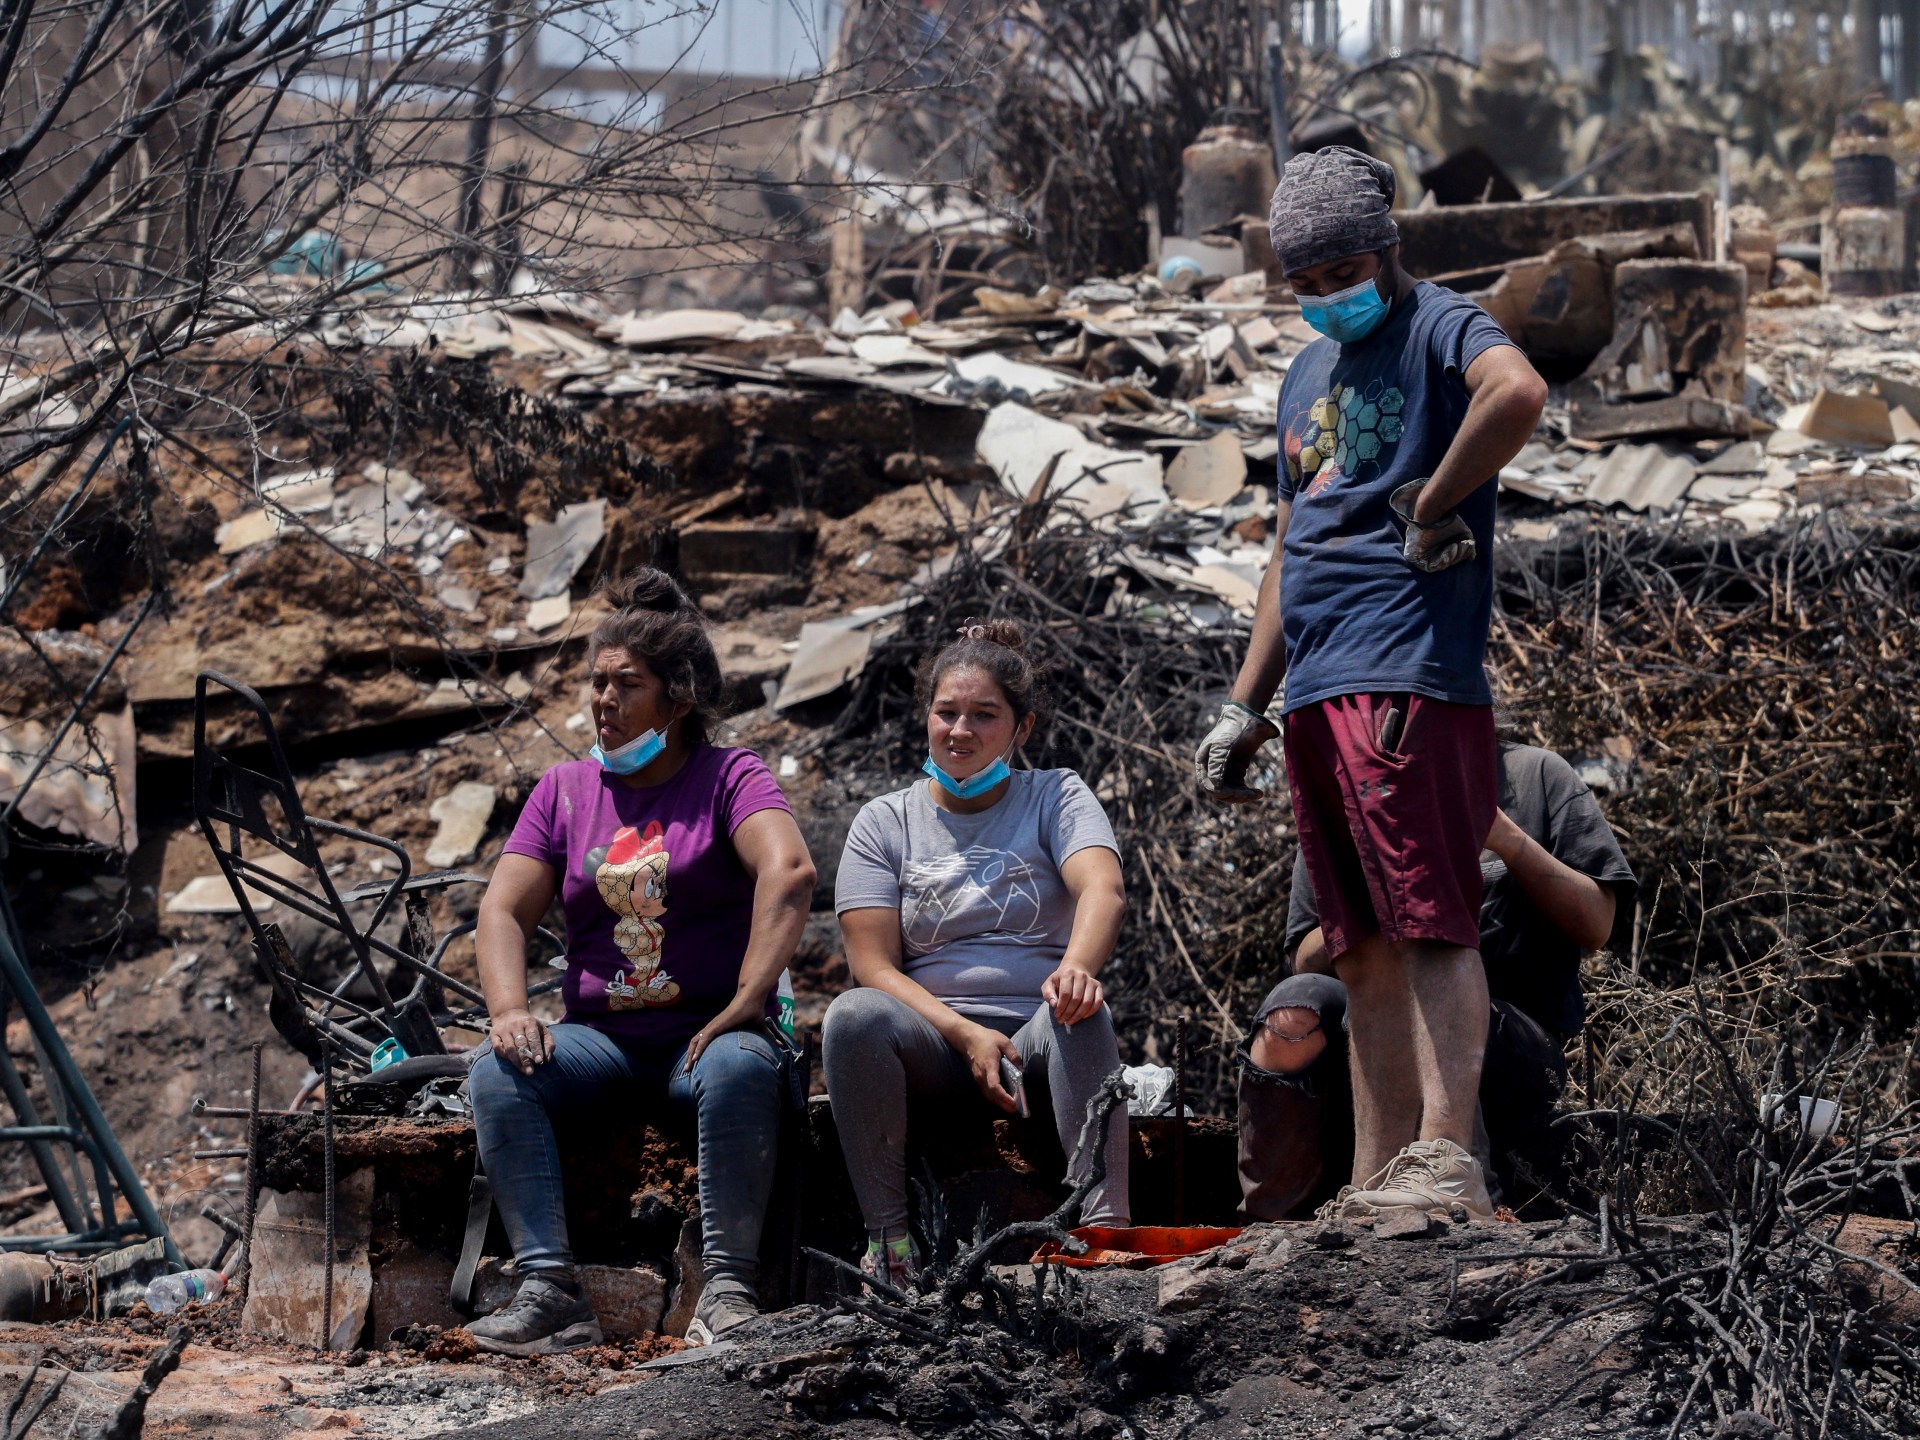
point(1352, 314)
point(636, 754)
point(973, 785)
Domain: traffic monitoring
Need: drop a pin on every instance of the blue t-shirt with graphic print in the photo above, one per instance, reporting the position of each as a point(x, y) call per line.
point(1356, 423)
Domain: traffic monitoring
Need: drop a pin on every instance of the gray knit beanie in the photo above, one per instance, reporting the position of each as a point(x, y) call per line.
point(1330, 204)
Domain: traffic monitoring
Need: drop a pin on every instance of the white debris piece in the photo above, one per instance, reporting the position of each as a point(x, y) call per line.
point(1210, 473)
point(463, 813)
point(1020, 445)
point(549, 613)
point(556, 550)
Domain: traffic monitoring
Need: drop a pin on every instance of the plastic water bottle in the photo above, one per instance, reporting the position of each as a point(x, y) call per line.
point(172, 1292)
point(783, 1003)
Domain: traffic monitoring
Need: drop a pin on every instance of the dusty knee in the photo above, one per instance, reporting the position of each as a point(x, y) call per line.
point(859, 1021)
point(1288, 1040)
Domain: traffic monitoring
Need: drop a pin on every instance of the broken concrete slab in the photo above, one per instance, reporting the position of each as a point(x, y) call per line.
point(463, 813)
point(557, 549)
point(1208, 474)
point(1844, 419)
point(286, 1295)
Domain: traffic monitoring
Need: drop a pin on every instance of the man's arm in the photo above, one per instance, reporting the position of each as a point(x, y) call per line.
point(1579, 905)
point(1266, 662)
point(1507, 398)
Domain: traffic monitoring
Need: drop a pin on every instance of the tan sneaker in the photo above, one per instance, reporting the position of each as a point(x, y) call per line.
point(1436, 1176)
point(1334, 1208)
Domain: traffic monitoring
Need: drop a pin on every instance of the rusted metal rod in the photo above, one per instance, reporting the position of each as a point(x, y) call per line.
point(1180, 1119)
point(252, 1199)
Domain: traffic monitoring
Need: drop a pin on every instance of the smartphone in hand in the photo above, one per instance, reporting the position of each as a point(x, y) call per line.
point(1015, 1084)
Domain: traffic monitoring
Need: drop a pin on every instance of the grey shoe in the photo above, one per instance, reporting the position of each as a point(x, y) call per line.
point(720, 1308)
point(548, 1316)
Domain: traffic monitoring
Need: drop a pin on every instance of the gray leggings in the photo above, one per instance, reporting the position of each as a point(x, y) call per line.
point(878, 1052)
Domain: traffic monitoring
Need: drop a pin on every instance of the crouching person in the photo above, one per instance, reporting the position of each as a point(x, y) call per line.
point(685, 885)
point(1554, 885)
point(978, 907)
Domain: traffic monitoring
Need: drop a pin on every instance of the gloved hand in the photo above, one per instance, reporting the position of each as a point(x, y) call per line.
point(1436, 547)
point(1220, 764)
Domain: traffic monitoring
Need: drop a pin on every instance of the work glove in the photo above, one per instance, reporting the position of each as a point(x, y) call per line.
point(1436, 547)
point(1220, 764)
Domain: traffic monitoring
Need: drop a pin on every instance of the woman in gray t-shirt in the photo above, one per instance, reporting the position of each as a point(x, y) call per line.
point(978, 907)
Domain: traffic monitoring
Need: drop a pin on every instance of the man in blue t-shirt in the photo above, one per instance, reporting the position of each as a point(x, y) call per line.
point(1375, 611)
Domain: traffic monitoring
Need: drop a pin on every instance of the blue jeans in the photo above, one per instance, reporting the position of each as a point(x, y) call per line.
point(734, 1093)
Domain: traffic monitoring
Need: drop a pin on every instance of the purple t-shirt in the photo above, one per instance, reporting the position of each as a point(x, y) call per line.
point(658, 905)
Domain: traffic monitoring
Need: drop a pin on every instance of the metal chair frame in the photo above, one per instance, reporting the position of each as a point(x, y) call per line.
point(232, 797)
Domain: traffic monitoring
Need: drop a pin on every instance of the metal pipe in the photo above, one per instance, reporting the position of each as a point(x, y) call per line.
point(23, 1108)
point(1281, 137)
point(13, 973)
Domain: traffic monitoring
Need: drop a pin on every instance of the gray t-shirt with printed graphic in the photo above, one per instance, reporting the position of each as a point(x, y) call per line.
point(984, 914)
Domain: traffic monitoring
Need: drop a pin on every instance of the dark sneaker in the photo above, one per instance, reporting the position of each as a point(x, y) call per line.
point(719, 1310)
point(547, 1317)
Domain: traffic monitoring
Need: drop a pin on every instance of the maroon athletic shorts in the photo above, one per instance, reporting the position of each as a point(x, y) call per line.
point(1392, 836)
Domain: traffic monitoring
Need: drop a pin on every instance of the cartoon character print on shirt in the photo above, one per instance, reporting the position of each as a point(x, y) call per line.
point(631, 873)
point(982, 890)
point(1341, 433)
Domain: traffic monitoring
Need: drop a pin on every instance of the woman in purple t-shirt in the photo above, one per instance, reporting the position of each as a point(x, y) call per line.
point(685, 886)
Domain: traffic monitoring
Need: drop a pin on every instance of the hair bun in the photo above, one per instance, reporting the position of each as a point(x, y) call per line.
point(1009, 633)
point(647, 589)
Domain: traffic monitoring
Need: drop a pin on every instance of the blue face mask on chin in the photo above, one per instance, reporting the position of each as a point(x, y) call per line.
point(636, 754)
point(973, 785)
point(1351, 315)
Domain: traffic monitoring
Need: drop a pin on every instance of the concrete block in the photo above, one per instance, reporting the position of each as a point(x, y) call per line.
point(410, 1286)
point(1863, 251)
